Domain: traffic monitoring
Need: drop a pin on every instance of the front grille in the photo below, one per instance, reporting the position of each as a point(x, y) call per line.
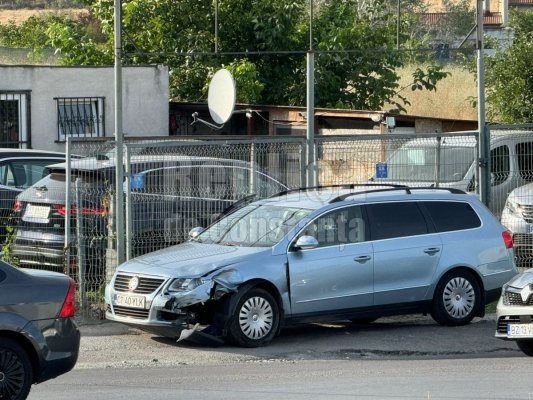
point(515, 299)
point(146, 285)
point(503, 321)
point(136, 313)
point(527, 212)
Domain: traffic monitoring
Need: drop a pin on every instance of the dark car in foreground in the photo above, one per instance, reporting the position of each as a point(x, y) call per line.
point(39, 339)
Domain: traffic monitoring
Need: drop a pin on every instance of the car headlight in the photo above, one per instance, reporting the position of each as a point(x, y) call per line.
point(513, 207)
point(184, 284)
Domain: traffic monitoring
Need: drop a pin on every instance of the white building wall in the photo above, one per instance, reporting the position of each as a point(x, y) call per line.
point(145, 97)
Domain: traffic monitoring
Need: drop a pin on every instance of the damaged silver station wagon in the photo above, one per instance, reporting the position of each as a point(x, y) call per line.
point(320, 255)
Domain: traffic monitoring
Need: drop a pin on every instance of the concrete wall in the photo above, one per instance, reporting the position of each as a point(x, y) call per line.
point(145, 97)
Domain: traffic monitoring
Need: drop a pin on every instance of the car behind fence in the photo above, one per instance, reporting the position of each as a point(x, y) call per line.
point(67, 221)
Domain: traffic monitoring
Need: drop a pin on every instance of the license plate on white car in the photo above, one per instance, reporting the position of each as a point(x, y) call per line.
point(130, 301)
point(529, 228)
point(520, 330)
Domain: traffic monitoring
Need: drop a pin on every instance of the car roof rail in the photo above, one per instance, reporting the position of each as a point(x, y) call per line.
point(337, 186)
point(406, 188)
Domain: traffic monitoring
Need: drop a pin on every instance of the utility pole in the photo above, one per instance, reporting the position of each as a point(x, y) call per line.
point(119, 189)
point(310, 137)
point(484, 141)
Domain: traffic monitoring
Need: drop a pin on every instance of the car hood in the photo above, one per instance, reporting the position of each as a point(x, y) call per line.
point(522, 280)
point(189, 259)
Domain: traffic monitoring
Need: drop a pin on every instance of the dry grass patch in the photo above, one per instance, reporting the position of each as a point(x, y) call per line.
point(450, 100)
point(21, 15)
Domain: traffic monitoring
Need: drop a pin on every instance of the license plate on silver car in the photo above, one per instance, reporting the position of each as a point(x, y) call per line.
point(130, 301)
point(520, 330)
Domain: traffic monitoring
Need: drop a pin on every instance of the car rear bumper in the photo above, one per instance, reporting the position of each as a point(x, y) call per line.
point(57, 342)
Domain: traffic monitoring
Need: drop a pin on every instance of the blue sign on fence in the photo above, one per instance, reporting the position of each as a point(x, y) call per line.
point(137, 181)
point(381, 170)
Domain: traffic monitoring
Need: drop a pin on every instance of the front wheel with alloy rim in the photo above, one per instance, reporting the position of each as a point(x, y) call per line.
point(15, 371)
point(255, 320)
point(457, 299)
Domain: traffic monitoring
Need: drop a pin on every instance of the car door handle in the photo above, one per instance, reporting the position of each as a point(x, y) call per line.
point(362, 259)
point(432, 250)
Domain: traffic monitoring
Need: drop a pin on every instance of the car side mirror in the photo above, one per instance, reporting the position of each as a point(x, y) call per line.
point(195, 232)
point(306, 243)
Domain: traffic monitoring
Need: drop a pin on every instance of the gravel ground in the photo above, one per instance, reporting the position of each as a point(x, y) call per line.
point(112, 345)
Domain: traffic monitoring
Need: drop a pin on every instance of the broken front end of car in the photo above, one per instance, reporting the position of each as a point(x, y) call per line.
point(172, 307)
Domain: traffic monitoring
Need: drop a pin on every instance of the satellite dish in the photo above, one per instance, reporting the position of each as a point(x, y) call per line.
point(221, 96)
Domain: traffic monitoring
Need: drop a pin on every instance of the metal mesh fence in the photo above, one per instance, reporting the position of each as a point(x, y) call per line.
point(511, 166)
point(445, 160)
point(173, 186)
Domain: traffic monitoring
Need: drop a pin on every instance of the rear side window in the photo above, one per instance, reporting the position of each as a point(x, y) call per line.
point(391, 220)
point(524, 153)
point(452, 216)
point(500, 164)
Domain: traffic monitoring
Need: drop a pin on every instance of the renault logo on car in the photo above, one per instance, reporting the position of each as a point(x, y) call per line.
point(133, 283)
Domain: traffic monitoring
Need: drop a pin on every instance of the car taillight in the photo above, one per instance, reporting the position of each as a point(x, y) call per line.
point(17, 206)
point(507, 239)
point(69, 305)
point(62, 209)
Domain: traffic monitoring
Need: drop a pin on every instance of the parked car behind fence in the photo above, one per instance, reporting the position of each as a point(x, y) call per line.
point(169, 195)
point(19, 169)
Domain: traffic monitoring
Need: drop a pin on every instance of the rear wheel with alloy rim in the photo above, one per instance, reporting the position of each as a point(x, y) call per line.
point(255, 320)
point(457, 299)
point(15, 371)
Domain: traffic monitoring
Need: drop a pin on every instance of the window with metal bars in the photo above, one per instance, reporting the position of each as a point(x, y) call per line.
point(14, 119)
point(80, 117)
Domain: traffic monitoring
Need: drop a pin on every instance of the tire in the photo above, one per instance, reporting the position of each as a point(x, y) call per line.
point(457, 299)
point(526, 346)
point(255, 319)
point(16, 373)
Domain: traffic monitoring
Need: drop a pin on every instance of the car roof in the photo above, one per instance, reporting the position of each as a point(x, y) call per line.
point(13, 153)
point(468, 141)
point(315, 199)
point(99, 163)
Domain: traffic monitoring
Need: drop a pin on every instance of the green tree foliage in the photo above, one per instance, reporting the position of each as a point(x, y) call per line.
point(181, 34)
point(509, 75)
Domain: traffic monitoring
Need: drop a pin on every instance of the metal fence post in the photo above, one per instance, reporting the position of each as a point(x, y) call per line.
point(252, 168)
point(80, 245)
point(68, 201)
point(437, 162)
point(129, 216)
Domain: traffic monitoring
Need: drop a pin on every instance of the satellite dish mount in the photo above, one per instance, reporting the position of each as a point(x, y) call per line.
point(221, 99)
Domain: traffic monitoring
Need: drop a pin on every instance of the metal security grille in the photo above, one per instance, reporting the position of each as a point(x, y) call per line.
point(14, 119)
point(80, 117)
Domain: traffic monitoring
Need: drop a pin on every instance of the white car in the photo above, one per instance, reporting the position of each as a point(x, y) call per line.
point(515, 312)
point(517, 216)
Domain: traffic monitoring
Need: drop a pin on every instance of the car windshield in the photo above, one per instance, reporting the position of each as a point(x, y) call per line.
point(417, 164)
point(254, 226)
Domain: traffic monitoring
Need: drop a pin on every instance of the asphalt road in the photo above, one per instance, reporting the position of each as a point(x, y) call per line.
point(394, 358)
